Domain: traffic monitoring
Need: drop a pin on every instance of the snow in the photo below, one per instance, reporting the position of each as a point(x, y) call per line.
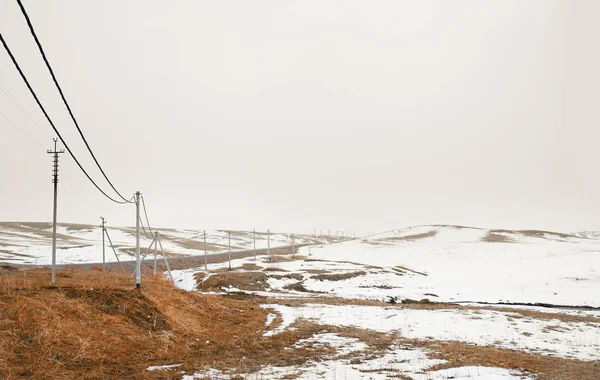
point(184, 279)
point(26, 244)
point(579, 340)
point(531, 269)
point(162, 367)
point(396, 361)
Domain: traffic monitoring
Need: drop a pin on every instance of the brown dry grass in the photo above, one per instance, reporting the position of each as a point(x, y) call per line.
point(338, 276)
point(291, 276)
point(538, 233)
point(251, 281)
point(414, 237)
point(96, 325)
point(491, 237)
point(460, 354)
point(401, 269)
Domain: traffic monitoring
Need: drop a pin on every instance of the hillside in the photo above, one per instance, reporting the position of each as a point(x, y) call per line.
point(385, 306)
point(31, 243)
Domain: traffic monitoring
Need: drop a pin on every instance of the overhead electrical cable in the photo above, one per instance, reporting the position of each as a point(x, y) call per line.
point(62, 95)
point(16, 64)
point(13, 99)
point(144, 228)
point(22, 129)
point(146, 213)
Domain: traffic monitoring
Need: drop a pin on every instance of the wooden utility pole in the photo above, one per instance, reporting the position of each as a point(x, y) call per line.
point(55, 154)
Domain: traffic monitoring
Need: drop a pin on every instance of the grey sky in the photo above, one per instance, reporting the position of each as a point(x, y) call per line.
point(294, 115)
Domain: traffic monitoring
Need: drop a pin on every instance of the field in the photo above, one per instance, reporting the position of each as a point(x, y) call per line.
point(429, 302)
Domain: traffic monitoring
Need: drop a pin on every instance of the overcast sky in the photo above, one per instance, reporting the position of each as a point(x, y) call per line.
point(294, 115)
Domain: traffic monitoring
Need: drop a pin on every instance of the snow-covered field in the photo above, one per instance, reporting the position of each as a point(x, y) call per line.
point(441, 264)
point(417, 264)
point(444, 264)
point(31, 243)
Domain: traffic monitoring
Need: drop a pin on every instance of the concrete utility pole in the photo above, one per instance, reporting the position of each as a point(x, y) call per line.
point(229, 237)
point(205, 259)
point(155, 249)
point(138, 264)
point(254, 240)
point(103, 254)
point(55, 154)
point(269, 244)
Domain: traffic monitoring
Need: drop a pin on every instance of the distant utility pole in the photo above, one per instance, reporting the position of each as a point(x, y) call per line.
point(156, 237)
point(293, 246)
point(229, 238)
point(269, 244)
point(55, 154)
point(103, 255)
point(205, 259)
point(138, 264)
point(254, 239)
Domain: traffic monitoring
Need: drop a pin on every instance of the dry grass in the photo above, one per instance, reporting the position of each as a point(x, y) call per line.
point(338, 276)
point(290, 276)
point(252, 281)
point(460, 354)
point(96, 325)
point(299, 287)
point(491, 237)
point(402, 270)
point(414, 237)
point(537, 233)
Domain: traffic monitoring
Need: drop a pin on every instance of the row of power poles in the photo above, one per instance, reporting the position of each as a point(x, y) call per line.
point(156, 241)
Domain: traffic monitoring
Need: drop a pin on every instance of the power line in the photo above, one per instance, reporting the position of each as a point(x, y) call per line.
point(13, 99)
point(16, 64)
point(62, 95)
point(146, 213)
point(144, 229)
point(22, 129)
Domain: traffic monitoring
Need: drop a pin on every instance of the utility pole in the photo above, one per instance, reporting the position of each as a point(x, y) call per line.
point(229, 238)
point(269, 244)
point(55, 154)
point(254, 240)
point(155, 249)
point(138, 264)
point(205, 259)
point(103, 255)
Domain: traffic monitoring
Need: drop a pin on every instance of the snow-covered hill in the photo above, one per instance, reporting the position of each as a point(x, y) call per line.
point(450, 263)
point(31, 243)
